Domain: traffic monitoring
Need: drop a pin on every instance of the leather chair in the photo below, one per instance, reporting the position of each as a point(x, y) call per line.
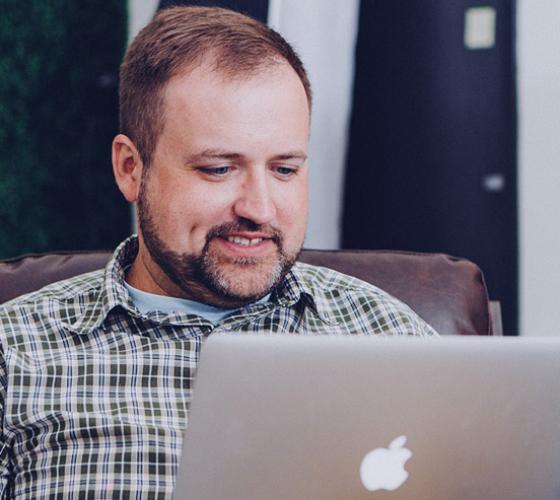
point(447, 292)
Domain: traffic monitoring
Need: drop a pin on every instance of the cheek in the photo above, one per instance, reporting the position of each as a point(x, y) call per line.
point(192, 212)
point(299, 198)
point(294, 211)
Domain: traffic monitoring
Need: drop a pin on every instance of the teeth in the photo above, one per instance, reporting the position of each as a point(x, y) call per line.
point(244, 241)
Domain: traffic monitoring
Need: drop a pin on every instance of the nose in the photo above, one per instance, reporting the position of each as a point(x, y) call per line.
point(255, 201)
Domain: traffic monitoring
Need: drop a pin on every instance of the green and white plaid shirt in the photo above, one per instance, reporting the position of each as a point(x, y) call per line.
point(94, 394)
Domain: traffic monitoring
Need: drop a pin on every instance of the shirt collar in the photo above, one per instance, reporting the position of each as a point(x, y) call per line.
point(113, 294)
point(295, 288)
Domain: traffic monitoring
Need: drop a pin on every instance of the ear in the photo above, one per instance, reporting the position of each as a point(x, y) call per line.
point(127, 167)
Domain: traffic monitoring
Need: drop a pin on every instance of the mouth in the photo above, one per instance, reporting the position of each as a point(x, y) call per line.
point(253, 245)
point(246, 242)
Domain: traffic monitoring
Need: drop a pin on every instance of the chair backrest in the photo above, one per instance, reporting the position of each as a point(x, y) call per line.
point(447, 292)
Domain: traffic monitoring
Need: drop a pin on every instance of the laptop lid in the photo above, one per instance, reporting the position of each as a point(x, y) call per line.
point(337, 417)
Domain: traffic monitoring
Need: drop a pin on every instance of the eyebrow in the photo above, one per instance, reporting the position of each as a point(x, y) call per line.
point(221, 154)
point(213, 154)
point(292, 155)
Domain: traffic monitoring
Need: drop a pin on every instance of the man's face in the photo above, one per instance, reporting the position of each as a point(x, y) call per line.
point(223, 205)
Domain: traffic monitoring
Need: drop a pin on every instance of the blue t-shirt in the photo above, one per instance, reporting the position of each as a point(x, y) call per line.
point(146, 302)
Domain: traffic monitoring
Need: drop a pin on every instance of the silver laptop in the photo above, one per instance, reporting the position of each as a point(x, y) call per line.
point(333, 417)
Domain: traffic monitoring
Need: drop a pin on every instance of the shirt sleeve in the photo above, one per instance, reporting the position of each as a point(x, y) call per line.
point(4, 448)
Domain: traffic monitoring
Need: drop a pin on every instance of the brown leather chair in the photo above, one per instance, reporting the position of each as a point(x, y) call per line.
point(447, 292)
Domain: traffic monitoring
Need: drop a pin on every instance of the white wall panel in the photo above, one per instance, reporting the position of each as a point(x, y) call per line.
point(539, 165)
point(140, 13)
point(324, 35)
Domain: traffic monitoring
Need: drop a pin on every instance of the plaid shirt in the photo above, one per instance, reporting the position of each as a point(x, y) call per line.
point(94, 394)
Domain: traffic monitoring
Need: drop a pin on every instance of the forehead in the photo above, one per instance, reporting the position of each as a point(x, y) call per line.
point(216, 68)
point(270, 102)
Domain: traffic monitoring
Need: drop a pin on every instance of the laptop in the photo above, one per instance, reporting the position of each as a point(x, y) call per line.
point(338, 417)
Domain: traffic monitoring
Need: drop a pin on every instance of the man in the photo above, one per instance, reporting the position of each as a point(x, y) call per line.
point(96, 371)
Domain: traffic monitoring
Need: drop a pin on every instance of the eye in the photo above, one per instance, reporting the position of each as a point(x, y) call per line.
point(220, 171)
point(285, 172)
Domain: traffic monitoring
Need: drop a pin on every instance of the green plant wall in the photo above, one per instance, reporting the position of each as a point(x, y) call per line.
point(58, 113)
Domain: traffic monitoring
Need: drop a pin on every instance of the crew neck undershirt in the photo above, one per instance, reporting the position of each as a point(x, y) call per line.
point(146, 302)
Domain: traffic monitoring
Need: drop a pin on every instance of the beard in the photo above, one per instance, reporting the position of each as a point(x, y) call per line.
point(212, 277)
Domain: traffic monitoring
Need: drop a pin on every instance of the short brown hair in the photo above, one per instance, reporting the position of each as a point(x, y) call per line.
point(178, 39)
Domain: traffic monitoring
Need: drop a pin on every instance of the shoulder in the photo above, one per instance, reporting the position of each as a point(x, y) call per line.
point(66, 291)
point(320, 277)
point(358, 305)
point(51, 307)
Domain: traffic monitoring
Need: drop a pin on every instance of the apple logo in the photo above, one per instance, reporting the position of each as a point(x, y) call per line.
point(383, 468)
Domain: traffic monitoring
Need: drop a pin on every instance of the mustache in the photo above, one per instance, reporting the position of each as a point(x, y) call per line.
point(225, 229)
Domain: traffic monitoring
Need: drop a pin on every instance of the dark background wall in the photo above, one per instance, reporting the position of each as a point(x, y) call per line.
point(432, 163)
point(58, 113)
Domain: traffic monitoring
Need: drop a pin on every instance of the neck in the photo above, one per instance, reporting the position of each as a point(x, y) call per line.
point(146, 275)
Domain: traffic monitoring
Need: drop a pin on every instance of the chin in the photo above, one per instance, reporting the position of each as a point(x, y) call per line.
point(245, 286)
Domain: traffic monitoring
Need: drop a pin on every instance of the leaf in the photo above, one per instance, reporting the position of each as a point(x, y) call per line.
point(398, 442)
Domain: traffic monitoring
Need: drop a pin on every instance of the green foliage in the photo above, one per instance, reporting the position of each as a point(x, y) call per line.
point(58, 113)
